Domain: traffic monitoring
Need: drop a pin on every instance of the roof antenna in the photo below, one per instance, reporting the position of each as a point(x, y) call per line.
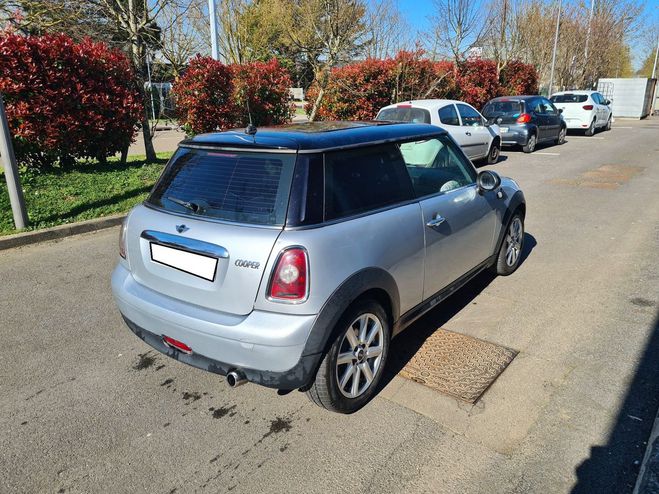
point(251, 128)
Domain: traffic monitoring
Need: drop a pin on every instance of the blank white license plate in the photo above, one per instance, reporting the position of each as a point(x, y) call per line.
point(503, 129)
point(195, 264)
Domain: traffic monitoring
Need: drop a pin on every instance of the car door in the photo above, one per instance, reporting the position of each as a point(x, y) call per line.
point(539, 117)
point(459, 222)
point(553, 119)
point(449, 121)
point(476, 136)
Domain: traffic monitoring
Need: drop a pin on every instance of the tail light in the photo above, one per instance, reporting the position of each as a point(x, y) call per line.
point(122, 240)
point(524, 118)
point(587, 107)
point(290, 278)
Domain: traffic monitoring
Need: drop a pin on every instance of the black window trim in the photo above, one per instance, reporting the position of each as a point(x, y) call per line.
point(414, 200)
point(370, 211)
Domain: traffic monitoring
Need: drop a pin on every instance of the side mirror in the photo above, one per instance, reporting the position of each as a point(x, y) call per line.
point(607, 102)
point(488, 180)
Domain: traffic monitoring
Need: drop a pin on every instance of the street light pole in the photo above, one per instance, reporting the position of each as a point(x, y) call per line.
point(654, 67)
point(215, 52)
point(590, 20)
point(553, 57)
point(11, 172)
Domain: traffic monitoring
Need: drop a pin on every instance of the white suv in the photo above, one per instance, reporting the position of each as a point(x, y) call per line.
point(477, 138)
point(584, 110)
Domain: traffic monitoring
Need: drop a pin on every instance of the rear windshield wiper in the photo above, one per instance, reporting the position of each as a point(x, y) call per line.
point(192, 206)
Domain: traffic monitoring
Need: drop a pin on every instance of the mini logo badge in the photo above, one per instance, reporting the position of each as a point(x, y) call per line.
point(181, 228)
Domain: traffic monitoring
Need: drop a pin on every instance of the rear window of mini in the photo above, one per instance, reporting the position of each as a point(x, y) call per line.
point(233, 186)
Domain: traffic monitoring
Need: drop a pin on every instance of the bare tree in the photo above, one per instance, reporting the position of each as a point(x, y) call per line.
point(502, 38)
point(181, 38)
point(386, 28)
point(328, 32)
point(457, 26)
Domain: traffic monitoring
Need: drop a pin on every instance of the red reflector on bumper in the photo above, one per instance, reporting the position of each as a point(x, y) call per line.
point(179, 345)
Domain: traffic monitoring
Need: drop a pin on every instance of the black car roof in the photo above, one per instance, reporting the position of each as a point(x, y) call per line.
point(314, 136)
point(516, 98)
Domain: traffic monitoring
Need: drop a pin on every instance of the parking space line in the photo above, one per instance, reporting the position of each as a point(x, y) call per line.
point(583, 137)
point(547, 154)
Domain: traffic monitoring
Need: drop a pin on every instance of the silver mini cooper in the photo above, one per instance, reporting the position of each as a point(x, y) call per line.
point(291, 257)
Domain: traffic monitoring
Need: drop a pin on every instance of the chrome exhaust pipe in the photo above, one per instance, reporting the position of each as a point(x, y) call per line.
point(236, 378)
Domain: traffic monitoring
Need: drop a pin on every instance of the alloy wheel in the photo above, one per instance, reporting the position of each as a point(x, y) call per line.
point(360, 355)
point(514, 241)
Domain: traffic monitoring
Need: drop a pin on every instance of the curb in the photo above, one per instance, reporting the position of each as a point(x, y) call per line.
point(648, 475)
point(61, 231)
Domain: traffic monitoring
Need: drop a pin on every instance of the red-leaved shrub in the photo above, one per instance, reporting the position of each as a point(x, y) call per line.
point(358, 90)
point(66, 100)
point(213, 96)
point(518, 78)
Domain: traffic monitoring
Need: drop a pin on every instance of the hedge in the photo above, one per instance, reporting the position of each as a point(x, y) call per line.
point(212, 96)
point(357, 91)
point(66, 100)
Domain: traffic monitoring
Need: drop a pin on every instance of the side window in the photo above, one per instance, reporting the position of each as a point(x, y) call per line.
point(360, 180)
point(539, 107)
point(448, 115)
point(597, 97)
point(469, 116)
point(436, 165)
point(550, 109)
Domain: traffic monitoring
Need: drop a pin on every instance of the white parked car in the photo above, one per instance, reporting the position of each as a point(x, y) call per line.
point(477, 138)
point(584, 110)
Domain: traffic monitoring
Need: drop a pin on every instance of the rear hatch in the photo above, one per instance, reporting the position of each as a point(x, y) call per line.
point(205, 233)
point(504, 111)
point(572, 105)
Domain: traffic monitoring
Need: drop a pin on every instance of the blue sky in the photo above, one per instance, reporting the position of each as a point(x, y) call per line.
point(416, 13)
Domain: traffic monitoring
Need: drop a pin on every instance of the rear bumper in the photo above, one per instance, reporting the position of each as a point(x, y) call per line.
point(267, 347)
point(515, 136)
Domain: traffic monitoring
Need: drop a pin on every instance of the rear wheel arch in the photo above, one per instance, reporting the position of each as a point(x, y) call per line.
point(369, 283)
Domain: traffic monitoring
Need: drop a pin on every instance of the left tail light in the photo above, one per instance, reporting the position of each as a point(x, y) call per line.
point(290, 279)
point(122, 239)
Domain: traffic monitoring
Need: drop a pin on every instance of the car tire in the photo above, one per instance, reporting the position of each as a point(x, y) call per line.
point(493, 154)
point(529, 147)
point(510, 252)
point(561, 136)
point(591, 130)
point(608, 124)
point(335, 380)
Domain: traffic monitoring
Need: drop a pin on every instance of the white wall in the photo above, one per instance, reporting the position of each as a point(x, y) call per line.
point(630, 97)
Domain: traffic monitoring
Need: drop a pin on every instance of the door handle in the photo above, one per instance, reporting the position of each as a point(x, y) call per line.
point(436, 221)
point(468, 133)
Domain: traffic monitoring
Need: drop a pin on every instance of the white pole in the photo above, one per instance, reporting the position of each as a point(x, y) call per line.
point(215, 52)
point(553, 57)
point(11, 172)
point(590, 20)
point(148, 71)
point(654, 67)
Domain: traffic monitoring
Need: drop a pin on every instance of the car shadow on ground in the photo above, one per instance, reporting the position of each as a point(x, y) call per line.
point(408, 343)
point(482, 163)
point(614, 466)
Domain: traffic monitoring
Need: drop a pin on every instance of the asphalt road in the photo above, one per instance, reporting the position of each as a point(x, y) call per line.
point(86, 407)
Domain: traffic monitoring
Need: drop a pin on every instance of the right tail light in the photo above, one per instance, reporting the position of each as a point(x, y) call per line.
point(290, 279)
point(587, 107)
point(524, 118)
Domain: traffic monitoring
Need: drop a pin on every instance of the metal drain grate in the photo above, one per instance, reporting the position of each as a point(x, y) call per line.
point(454, 364)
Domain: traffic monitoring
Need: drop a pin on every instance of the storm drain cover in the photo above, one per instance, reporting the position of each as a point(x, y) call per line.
point(454, 364)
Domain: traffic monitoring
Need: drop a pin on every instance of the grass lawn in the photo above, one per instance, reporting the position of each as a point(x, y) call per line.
point(88, 190)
